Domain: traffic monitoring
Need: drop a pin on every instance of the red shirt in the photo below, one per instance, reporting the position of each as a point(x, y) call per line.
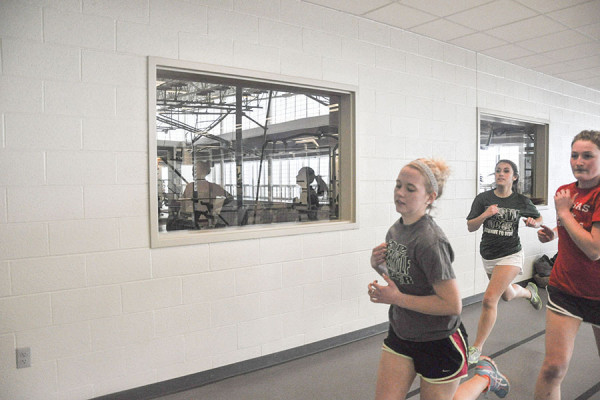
point(573, 272)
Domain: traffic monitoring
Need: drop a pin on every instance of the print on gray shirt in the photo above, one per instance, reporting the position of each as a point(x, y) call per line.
point(398, 263)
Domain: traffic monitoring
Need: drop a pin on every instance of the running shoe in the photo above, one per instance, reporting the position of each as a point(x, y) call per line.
point(535, 300)
point(473, 355)
point(498, 385)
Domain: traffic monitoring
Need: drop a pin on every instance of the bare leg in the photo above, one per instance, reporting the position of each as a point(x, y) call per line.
point(471, 389)
point(500, 282)
point(514, 291)
point(395, 375)
point(438, 391)
point(560, 341)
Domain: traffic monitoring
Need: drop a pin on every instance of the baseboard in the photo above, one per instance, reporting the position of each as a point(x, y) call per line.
point(467, 301)
point(192, 381)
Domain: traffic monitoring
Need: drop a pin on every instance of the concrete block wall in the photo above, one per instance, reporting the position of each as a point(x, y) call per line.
point(79, 284)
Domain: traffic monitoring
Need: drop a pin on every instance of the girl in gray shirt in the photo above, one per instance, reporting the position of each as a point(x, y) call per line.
point(426, 336)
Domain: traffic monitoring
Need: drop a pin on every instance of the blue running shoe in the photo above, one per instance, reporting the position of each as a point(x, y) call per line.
point(499, 385)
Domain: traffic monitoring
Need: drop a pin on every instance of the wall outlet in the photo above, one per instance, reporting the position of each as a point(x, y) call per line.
point(24, 357)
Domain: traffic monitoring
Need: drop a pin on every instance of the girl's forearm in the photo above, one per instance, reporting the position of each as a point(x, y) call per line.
point(475, 223)
point(582, 238)
point(432, 304)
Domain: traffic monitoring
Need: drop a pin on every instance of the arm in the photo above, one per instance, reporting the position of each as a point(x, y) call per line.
point(378, 259)
point(546, 234)
point(445, 301)
point(218, 191)
point(532, 216)
point(533, 222)
point(378, 255)
point(588, 242)
point(475, 223)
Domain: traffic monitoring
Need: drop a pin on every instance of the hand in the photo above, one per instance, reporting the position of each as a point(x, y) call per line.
point(546, 234)
point(384, 294)
point(563, 202)
point(531, 222)
point(378, 255)
point(491, 210)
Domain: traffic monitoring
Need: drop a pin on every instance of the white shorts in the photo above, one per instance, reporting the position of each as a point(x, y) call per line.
point(517, 259)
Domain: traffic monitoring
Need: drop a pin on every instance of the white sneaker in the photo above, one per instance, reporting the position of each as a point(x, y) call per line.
point(535, 300)
point(473, 355)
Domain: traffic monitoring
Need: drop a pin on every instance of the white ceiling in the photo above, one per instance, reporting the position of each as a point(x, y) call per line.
point(557, 37)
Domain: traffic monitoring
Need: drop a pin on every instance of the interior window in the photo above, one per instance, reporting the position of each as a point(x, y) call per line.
point(233, 152)
point(521, 141)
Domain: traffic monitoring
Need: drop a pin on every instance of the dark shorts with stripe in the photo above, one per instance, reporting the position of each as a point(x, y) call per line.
point(576, 307)
point(436, 361)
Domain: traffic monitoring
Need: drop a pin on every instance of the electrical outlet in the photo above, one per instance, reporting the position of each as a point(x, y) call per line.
point(24, 357)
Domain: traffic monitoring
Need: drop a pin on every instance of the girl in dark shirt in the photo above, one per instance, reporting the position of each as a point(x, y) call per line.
point(499, 211)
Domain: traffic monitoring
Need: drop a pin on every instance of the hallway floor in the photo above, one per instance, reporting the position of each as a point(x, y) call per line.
point(349, 372)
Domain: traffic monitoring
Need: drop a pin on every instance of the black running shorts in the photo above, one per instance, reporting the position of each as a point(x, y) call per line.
point(436, 361)
point(577, 307)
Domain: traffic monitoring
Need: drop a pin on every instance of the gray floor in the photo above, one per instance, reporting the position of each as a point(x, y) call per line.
point(349, 372)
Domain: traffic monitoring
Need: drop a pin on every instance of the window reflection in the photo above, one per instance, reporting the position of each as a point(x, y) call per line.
point(232, 152)
point(524, 143)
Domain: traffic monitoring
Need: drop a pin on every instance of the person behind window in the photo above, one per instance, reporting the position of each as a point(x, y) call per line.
point(499, 211)
point(308, 202)
point(205, 199)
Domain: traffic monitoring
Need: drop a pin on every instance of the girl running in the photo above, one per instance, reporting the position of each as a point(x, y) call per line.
point(499, 211)
point(574, 286)
point(426, 336)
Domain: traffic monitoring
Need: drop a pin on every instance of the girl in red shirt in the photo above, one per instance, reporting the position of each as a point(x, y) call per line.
point(574, 286)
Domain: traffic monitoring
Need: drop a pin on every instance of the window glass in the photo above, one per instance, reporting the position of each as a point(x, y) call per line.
point(520, 141)
point(233, 152)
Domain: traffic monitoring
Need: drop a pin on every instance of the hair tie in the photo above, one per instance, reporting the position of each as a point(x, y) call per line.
point(429, 174)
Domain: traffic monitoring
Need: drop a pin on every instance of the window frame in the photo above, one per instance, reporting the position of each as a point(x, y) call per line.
point(347, 218)
point(542, 161)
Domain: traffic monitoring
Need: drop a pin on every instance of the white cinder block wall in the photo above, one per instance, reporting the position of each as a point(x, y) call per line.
point(79, 285)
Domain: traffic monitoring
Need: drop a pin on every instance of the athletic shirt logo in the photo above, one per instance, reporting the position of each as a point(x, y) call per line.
point(398, 263)
point(502, 223)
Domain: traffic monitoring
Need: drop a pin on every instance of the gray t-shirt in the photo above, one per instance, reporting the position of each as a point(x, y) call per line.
point(418, 256)
point(500, 236)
